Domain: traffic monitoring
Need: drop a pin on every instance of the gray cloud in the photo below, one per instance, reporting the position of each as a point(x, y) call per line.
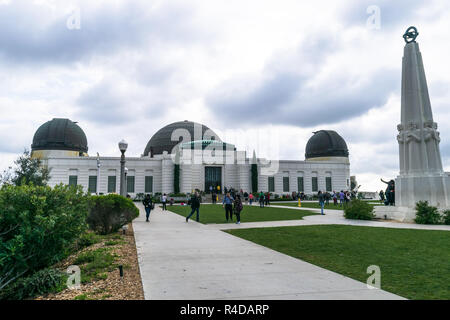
point(104, 104)
point(287, 99)
point(27, 37)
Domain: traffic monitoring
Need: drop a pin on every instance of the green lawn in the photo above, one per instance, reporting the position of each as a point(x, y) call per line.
point(314, 205)
point(414, 264)
point(210, 213)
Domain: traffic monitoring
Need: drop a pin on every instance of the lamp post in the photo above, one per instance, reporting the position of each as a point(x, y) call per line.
point(98, 174)
point(126, 183)
point(123, 145)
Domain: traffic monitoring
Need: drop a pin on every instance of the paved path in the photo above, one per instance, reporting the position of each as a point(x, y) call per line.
point(180, 260)
point(330, 217)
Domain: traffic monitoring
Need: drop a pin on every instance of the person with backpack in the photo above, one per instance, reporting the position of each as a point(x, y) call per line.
point(195, 206)
point(164, 201)
point(227, 203)
point(148, 205)
point(238, 208)
point(261, 200)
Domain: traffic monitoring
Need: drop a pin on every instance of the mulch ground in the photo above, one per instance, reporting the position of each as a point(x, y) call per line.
point(113, 287)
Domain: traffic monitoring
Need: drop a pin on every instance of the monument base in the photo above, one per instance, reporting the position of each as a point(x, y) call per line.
point(401, 214)
point(432, 188)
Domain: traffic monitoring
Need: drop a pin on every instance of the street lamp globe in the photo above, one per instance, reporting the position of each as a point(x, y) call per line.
point(123, 145)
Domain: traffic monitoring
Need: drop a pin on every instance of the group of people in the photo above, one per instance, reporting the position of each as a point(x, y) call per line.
point(343, 197)
point(388, 197)
point(233, 201)
point(149, 204)
point(231, 204)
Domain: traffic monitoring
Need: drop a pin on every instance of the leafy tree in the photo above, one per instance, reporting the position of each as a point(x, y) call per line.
point(30, 170)
point(6, 176)
point(254, 177)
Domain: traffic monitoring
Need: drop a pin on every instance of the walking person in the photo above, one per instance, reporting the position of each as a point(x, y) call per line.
point(195, 206)
point(250, 198)
point(267, 200)
point(327, 198)
point(261, 200)
point(335, 198)
point(147, 202)
point(321, 201)
point(214, 197)
point(341, 198)
point(227, 203)
point(164, 202)
point(238, 208)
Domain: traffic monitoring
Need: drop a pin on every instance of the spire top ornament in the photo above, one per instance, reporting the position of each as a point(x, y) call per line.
point(411, 35)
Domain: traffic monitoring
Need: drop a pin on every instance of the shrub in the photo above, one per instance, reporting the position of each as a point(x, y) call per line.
point(177, 195)
point(359, 210)
point(107, 214)
point(42, 282)
point(139, 197)
point(426, 214)
point(446, 217)
point(38, 227)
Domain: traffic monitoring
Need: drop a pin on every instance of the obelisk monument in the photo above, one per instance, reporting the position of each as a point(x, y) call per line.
point(421, 173)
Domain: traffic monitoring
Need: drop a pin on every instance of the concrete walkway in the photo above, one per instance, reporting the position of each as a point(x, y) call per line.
point(330, 217)
point(180, 260)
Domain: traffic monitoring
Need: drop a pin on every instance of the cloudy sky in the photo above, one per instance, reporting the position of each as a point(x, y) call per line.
point(263, 74)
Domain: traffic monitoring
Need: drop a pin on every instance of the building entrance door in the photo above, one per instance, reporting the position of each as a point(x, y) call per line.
point(213, 177)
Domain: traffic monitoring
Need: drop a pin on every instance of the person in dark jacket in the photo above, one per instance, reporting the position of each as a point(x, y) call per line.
point(321, 201)
point(148, 203)
point(195, 206)
point(238, 208)
point(227, 203)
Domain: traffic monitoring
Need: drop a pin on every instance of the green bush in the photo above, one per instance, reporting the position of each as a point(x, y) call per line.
point(426, 214)
point(359, 210)
point(446, 217)
point(177, 195)
point(139, 197)
point(107, 214)
point(42, 282)
point(38, 227)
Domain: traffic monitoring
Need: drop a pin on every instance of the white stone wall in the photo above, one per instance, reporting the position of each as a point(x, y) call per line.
point(192, 176)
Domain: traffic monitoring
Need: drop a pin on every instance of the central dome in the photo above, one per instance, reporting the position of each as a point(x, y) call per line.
point(326, 143)
point(171, 135)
